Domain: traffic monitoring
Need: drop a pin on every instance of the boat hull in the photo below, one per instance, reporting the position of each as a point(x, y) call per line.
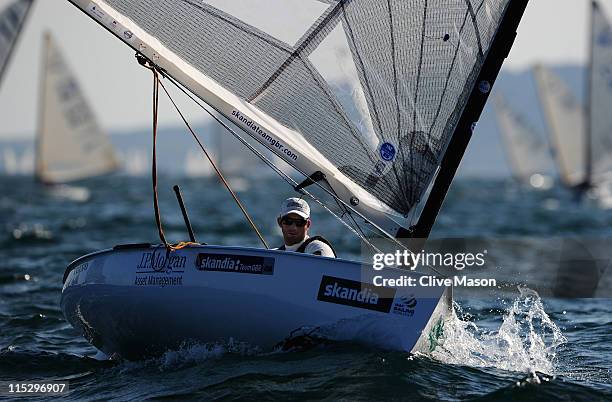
point(141, 301)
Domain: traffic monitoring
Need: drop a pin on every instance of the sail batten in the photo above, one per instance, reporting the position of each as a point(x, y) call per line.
point(379, 156)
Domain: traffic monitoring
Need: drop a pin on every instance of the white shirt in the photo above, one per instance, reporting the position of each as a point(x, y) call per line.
point(315, 247)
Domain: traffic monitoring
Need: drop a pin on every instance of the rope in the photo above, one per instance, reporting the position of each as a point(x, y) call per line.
point(160, 230)
point(156, 84)
point(214, 165)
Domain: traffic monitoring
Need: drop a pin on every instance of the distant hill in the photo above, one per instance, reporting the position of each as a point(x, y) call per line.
point(484, 157)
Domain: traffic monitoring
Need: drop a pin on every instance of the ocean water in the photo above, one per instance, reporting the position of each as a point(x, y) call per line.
point(513, 345)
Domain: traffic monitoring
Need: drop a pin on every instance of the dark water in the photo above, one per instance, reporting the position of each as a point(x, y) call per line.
point(515, 347)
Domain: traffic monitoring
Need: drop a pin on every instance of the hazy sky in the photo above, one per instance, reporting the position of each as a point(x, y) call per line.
point(552, 31)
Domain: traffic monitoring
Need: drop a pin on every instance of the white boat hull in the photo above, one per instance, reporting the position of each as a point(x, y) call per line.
point(137, 302)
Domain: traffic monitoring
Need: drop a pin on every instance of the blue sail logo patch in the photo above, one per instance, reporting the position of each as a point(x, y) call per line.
point(387, 152)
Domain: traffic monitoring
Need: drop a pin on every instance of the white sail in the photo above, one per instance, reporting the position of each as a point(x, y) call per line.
point(527, 153)
point(565, 120)
point(416, 64)
point(70, 143)
point(12, 19)
point(600, 96)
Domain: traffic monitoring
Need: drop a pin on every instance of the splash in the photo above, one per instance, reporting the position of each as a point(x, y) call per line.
point(526, 341)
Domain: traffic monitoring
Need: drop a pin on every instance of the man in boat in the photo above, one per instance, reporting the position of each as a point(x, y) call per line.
point(294, 221)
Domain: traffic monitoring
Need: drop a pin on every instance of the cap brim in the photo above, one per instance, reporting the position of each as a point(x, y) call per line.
point(300, 213)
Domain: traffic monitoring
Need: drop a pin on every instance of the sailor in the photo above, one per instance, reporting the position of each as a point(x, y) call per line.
point(294, 221)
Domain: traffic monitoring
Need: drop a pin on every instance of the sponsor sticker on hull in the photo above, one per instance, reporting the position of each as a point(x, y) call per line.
point(160, 268)
point(405, 305)
point(356, 294)
point(241, 264)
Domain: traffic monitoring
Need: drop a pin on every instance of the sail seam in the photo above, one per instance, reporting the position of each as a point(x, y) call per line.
point(437, 114)
point(240, 25)
point(299, 48)
point(475, 23)
point(366, 82)
point(416, 97)
point(333, 100)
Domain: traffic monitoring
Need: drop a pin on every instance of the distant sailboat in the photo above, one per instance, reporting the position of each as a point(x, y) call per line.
point(70, 144)
point(12, 19)
point(528, 155)
point(582, 136)
point(599, 103)
point(565, 119)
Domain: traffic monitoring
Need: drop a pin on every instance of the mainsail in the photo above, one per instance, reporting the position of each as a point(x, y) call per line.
point(12, 19)
point(70, 143)
point(527, 153)
point(565, 120)
point(599, 97)
point(370, 93)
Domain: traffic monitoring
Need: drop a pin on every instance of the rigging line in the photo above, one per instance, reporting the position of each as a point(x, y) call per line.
point(214, 165)
point(315, 29)
point(288, 179)
point(345, 210)
point(154, 158)
point(244, 142)
point(169, 247)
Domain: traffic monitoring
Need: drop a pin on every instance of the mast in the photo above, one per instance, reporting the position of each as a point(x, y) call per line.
point(14, 42)
point(38, 162)
point(499, 50)
point(589, 110)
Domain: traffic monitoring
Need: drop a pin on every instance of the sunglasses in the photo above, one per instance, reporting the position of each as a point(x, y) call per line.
point(298, 222)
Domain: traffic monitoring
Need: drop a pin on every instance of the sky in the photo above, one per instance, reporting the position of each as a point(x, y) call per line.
point(119, 90)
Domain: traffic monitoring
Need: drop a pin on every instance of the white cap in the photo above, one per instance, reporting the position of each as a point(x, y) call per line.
point(295, 206)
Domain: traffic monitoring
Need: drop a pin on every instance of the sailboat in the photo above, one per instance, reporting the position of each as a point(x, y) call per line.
point(422, 74)
point(599, 100)
point(528, 155)
point(12, 20)
point(70, 144)
point(582, 136)
point(565, 119)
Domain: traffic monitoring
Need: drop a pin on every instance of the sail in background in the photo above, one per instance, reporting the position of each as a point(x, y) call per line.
point(528, 154)
point(600, 96)
point(70, 143)
point(564, 116)
point(279, 69)
point(12, 19)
